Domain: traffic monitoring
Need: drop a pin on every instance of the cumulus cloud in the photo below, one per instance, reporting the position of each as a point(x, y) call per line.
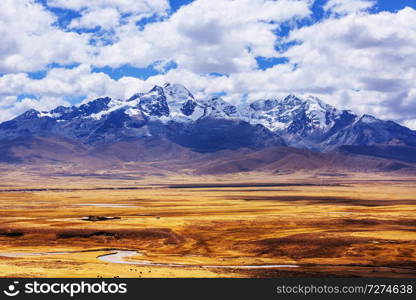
point(30, 41)
point(348, 6)
point(124, 6)
point(105, 18)
point(61, 82)
point(206, 36)
point(107, 14)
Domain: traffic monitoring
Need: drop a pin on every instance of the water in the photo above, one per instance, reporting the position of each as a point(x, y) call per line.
point(119, 258)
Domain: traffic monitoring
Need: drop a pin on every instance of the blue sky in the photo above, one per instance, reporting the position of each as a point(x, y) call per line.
point(355, 54)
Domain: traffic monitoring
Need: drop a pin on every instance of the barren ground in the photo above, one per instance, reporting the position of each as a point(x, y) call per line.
point(242, 225)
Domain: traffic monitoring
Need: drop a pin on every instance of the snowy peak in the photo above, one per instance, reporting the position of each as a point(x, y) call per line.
point(154, 103)
point(156, 90)
point(291, 114)
point(177, 92)
point(217, 108)
point(368, 119)
point(135, 96)
point(292, 101)
point(304, 122)
point(30, 114)
point(87, 110)
point(182, 104)
point(264, 105)
point(171, 110)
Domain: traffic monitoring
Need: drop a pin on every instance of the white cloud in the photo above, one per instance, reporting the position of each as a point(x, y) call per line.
point(61, 82)
point(108, 13)
point(124, 6)
point(348, 6)
point(30, 41)
point(106, 18)
point(206, 36)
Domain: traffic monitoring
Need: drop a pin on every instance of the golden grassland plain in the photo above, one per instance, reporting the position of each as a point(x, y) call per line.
point(241, 225)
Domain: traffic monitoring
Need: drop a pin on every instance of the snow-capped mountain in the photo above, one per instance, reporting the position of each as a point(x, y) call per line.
point(205, 125)
point(293, 115)
point(217, 108)
point(182, 104)
point(368, 130)
point(304, 123)
point(313, 124)
point(168, 112)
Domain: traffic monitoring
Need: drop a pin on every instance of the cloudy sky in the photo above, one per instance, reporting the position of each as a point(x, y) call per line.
point(354, 54)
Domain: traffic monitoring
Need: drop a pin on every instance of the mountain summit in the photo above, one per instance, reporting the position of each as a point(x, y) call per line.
point(170, 112)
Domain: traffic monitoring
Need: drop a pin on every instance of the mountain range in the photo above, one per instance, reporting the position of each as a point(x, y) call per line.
point(168, 124)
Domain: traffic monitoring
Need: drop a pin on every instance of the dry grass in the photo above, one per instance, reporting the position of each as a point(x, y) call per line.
point(349, 225)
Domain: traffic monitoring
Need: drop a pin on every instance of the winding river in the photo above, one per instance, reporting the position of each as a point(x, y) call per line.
point(118, 257)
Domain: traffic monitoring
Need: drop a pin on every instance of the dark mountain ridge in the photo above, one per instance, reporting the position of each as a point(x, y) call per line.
point(172, 117)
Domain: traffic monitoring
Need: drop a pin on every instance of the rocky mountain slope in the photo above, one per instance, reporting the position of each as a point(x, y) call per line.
point(171, 116)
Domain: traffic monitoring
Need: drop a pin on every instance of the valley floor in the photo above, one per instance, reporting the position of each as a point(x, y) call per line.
point(240, 225)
